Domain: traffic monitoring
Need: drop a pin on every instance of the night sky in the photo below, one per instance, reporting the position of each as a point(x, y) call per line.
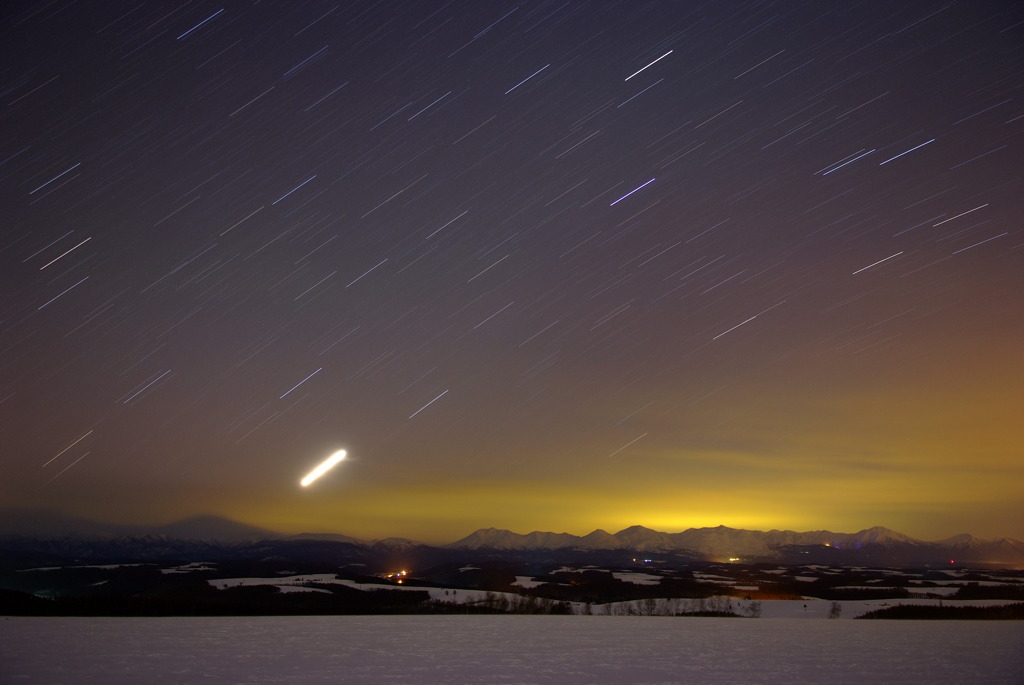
point(536, 265)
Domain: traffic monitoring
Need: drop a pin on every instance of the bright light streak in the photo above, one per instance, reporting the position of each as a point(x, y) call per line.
point(865, 268)
point(651, 64)
point(906, 152)
point(439, 396)
point(850, 162)
point(200, 24)
point(631, 192)
point(55, 177)
point(323, 468)
point(300, 383)
point(66, 253)
point(296, 187)
point(960, 215)
point(527, 79)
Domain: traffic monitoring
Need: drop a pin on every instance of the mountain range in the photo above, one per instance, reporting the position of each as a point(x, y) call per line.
point(721, 543)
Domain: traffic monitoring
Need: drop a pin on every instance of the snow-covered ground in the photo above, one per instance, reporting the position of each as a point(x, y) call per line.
point(507, 649)
point(527, 582)
point(636, 578)
point(937, 591)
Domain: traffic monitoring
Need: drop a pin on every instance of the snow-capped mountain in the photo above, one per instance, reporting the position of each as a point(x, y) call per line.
point(645, 540)
point(714, 541)
point(213, 535)
point(328, 537)
point(722, 542)
point(966, 544)
point(495, 538)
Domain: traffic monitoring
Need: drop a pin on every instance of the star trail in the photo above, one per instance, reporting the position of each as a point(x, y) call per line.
point(536, 265)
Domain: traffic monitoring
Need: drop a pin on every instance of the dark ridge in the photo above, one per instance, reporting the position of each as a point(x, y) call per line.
point(1004, 612)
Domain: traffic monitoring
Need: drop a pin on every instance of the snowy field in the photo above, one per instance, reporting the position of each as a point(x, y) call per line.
point(809, 607)
point(507, 649)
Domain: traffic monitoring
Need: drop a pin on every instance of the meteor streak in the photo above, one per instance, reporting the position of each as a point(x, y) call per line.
point(323, 468)
point(651, 64)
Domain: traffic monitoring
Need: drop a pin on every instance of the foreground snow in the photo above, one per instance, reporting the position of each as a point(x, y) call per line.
point(507, 649)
